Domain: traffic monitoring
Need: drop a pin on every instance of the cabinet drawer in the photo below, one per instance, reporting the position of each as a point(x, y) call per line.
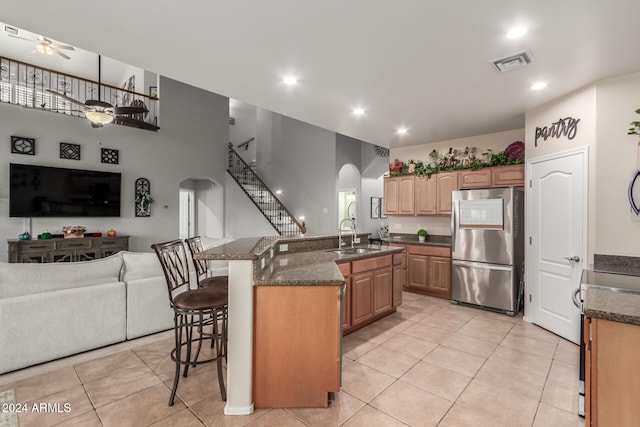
point(429, 250)
point(370, 264)
point(36, 246)
point(345, 268)
point(73, 244)
point(399, 259)
point(109, 242)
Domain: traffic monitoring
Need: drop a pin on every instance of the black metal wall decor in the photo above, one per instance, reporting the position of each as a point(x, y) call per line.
point(563, 127)
point(109, 155)
point(381, 151)
point(143, 197)
point(69, 151)
point(22, 145)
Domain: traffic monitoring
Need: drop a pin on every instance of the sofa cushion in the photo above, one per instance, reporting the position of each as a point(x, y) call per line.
point(27, 279)
point(140, 265)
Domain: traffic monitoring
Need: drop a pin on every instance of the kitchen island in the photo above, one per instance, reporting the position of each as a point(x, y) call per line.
point(285, 319)
point(612, 343)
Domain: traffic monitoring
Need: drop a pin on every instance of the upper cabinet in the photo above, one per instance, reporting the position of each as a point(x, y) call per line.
point(399, 195)
point(431, 195)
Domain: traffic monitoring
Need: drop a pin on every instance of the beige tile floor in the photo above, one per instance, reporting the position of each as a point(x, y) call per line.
point(429, 364)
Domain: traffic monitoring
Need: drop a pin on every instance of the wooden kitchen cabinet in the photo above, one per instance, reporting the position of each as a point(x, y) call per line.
point(297, 355)
point(370, 293)
point(399, 195)
point(426, 191)
point(447, 182)
point(480, 178)
point(399, 274)
point(345, 269)
point(429, 270)
point(507, 176)
point(612, 372)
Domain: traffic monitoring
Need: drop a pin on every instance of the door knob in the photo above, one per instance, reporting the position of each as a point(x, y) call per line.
point(573, 258)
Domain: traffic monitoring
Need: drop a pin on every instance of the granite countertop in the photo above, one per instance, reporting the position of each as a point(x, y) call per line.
point(412, 239)
point(314, 265)
point(611, 296)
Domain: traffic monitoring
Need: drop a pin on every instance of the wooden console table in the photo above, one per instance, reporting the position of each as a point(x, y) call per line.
point(65, 250)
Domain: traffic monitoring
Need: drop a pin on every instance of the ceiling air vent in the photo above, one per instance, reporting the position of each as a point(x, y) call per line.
point(11, 30)
point(511, 62)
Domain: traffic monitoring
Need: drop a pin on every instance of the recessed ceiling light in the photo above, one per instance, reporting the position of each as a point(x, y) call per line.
point(538, 86)
point(358, 111)
point(290, 80)
point(401, 131)
point(516, 32)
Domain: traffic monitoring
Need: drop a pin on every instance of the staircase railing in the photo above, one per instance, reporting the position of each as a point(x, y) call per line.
point(271, 207)
point(28, 85)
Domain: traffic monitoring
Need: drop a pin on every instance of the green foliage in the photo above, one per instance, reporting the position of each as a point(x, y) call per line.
point(635, 129)
point(422, 232)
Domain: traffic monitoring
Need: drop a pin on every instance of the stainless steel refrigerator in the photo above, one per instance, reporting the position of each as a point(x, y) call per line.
point(487, 248)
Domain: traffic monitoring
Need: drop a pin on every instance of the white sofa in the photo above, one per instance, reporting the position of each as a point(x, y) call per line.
point(48, 311)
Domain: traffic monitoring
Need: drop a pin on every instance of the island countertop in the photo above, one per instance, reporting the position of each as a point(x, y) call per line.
point(294, 261)
point(611, 296)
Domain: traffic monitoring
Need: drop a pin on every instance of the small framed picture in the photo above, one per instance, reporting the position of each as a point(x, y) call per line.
point(153, 91)
point(375, 207)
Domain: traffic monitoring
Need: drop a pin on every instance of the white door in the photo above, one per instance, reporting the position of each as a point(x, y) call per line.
point(557, 246)
point(187, 213)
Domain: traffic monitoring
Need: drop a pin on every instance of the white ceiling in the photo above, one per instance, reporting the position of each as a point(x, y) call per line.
point(422, 64)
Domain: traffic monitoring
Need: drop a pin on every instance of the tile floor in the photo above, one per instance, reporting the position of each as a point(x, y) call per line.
point(429, 364)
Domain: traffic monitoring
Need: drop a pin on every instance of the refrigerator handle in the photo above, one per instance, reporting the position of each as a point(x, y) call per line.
point(454, 204)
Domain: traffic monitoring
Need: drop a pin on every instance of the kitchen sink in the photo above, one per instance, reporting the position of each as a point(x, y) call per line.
point(353, 251)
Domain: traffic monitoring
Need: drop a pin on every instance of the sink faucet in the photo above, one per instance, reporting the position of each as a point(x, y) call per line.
point(353, 232)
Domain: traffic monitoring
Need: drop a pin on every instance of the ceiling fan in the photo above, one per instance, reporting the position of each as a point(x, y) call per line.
point(101, 113)
point(47, 46)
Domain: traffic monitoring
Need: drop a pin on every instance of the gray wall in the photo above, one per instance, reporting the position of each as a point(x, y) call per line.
point(192, 143)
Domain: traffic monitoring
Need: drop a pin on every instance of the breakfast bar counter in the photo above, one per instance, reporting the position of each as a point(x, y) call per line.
point(285, 325)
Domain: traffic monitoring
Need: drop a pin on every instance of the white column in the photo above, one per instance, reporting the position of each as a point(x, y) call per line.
point(240, 340)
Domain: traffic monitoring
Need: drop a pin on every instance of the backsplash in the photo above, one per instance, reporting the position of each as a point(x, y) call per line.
point(617, 264)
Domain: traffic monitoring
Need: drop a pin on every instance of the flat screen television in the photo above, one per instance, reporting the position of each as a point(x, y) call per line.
point(42, 191)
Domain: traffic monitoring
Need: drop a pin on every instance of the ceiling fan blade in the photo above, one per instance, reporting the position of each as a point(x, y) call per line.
point(129, 110)
point(60, 53)
point(128, 121)
point(63, 96)
point(63, 46)
point(96, 103)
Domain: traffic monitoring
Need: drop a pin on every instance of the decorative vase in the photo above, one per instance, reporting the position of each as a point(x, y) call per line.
point(24, 236)
point(46, 235)
point(111, 233)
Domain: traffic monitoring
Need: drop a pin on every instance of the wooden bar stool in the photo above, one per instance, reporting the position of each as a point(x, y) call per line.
point(193, 309)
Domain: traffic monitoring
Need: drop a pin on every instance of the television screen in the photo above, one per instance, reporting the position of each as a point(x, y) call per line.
point(41, 191)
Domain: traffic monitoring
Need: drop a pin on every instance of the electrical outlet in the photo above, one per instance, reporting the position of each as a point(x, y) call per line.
point(262, 263)
point(284, 248)
point(397, 226)
point(284, 262)
point(356, 240)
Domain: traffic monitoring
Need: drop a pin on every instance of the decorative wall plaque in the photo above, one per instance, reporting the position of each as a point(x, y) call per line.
point(22, 145)
point(69, 151)
point(563, 127)
point(143, 197)
point(109, 155)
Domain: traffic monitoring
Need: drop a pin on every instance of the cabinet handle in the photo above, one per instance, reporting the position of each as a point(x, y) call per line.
point(37, 247)
point(76, 244)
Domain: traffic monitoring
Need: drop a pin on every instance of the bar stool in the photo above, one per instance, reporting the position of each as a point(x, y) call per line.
point(192, 308)
point(202, 272)
point(204, 280)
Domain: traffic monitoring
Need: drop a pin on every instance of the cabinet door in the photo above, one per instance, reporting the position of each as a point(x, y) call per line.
point(391, 196)
point(475, 179)
point(399, 282)
point(361, 297)
point(440, 275)
point(447, 183)
point(346, 304)
point(426, 194)
point(406, 198)
point(382, 290)
point(507, 176)
point(34, 257)
point(418, 271)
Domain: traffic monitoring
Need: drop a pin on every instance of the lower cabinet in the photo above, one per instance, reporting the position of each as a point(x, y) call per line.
point(612, 369)
point(65, 250)
point(297, 358)
point(370, 291)
point(429, 270)
point(399, 275)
